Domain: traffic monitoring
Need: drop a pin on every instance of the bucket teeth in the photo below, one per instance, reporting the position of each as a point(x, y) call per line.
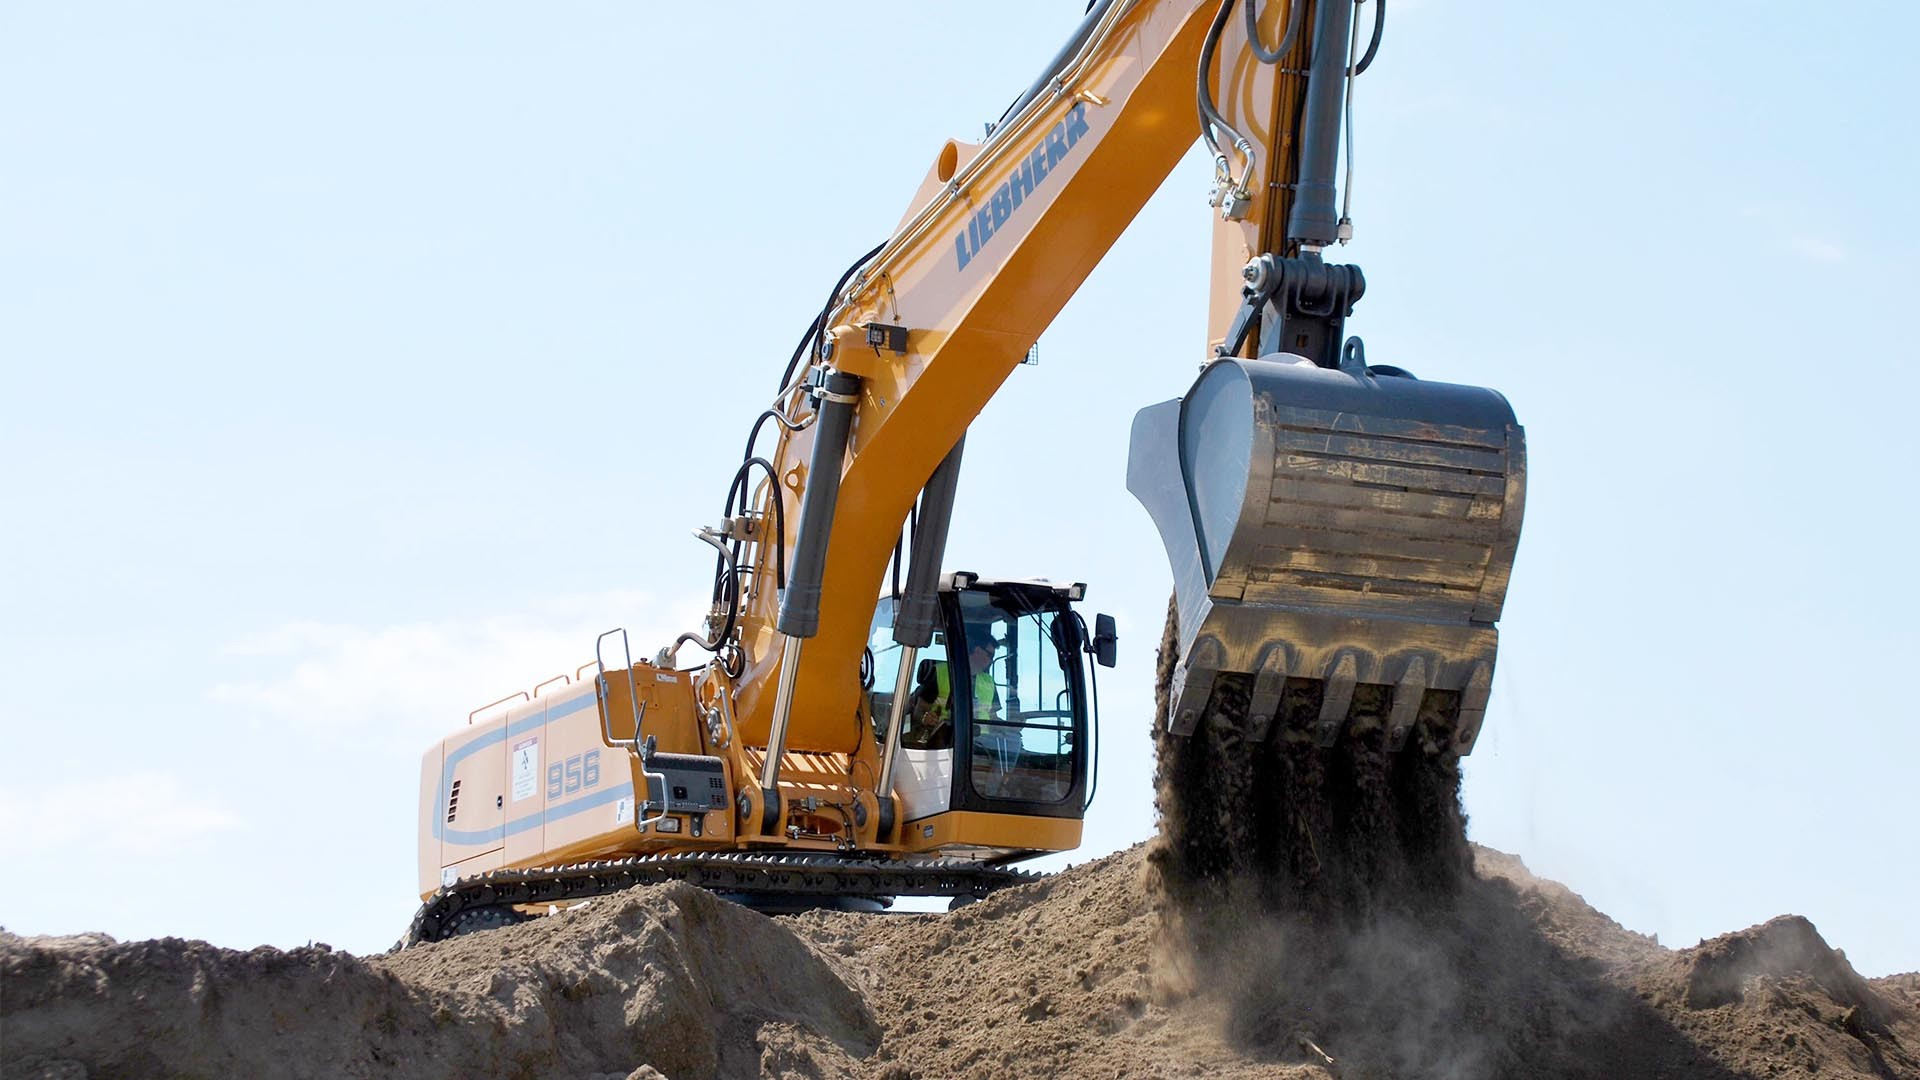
point(1193, 685)
point(1473, 707)
point(1269, 688)
point(1336, 700)
point(1340, 529)
point(1407, 696)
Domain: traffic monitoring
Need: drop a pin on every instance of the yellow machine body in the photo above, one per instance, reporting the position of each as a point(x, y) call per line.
point(554, 778)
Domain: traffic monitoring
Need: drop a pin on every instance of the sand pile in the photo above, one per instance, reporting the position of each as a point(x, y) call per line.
point(1061, 978)
point(1338, 925)
point(668, 977)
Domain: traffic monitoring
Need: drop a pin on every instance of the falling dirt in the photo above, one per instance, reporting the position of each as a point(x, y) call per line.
point(1350, 866)
point(1345, 931)
point(1317, 897)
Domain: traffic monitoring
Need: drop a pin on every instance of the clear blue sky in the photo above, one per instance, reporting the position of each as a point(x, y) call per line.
point(360, 362)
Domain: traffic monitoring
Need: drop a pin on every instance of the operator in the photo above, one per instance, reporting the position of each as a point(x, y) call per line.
point(986, 693)
point(932, 708)
point(930, 715)
point(996, 746)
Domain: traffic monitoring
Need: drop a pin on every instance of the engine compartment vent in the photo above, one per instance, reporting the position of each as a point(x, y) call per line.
point(453, 801)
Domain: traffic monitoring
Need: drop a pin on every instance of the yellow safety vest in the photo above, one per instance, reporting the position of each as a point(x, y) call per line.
point(985, 691)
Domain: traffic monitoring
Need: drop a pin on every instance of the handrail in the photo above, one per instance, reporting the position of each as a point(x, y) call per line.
point(638, 751)
point(633, 694)
point(561, 678)
point(502, 701)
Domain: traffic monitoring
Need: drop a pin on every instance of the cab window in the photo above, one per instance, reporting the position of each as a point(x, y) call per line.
point(1022, 700)
point(929, 722)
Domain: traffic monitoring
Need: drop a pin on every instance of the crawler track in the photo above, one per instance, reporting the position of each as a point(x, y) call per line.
point(740, 872)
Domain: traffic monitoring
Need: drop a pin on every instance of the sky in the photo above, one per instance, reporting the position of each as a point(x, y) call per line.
point(361, 362)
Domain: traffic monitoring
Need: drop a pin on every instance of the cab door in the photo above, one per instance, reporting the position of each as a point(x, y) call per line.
point(1020, 709)
point(923, 768)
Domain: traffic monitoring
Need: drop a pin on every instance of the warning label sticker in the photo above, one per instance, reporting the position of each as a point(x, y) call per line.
point(526, 768)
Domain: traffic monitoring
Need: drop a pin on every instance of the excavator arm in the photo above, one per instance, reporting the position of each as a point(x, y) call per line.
point(1340, 534)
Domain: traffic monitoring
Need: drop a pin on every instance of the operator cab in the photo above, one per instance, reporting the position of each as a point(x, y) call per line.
point(998, 717)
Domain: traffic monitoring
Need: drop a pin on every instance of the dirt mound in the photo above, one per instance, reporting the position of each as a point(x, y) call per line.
point(1061, 978)
point(1721, 971)
point(1305, 914)
point(1520, 978)
point(669, 977)
point(1777, 1000)
point(1901, 989)
point(1052, 979)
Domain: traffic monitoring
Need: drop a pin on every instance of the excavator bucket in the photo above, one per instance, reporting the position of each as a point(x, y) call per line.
point(1341, 542)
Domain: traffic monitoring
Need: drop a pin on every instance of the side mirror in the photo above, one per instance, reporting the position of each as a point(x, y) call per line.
point(1106, 638)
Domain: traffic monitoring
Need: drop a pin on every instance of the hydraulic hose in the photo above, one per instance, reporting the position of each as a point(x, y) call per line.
point(753, 433)
point(725, 633)
point(799, 350)
point(1373, 43)
point(817, 331)
point(1295, 10)
point(739, 488)
point(1210, 117)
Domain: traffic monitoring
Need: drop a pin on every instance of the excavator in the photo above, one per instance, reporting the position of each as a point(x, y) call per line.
point(863, 724)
